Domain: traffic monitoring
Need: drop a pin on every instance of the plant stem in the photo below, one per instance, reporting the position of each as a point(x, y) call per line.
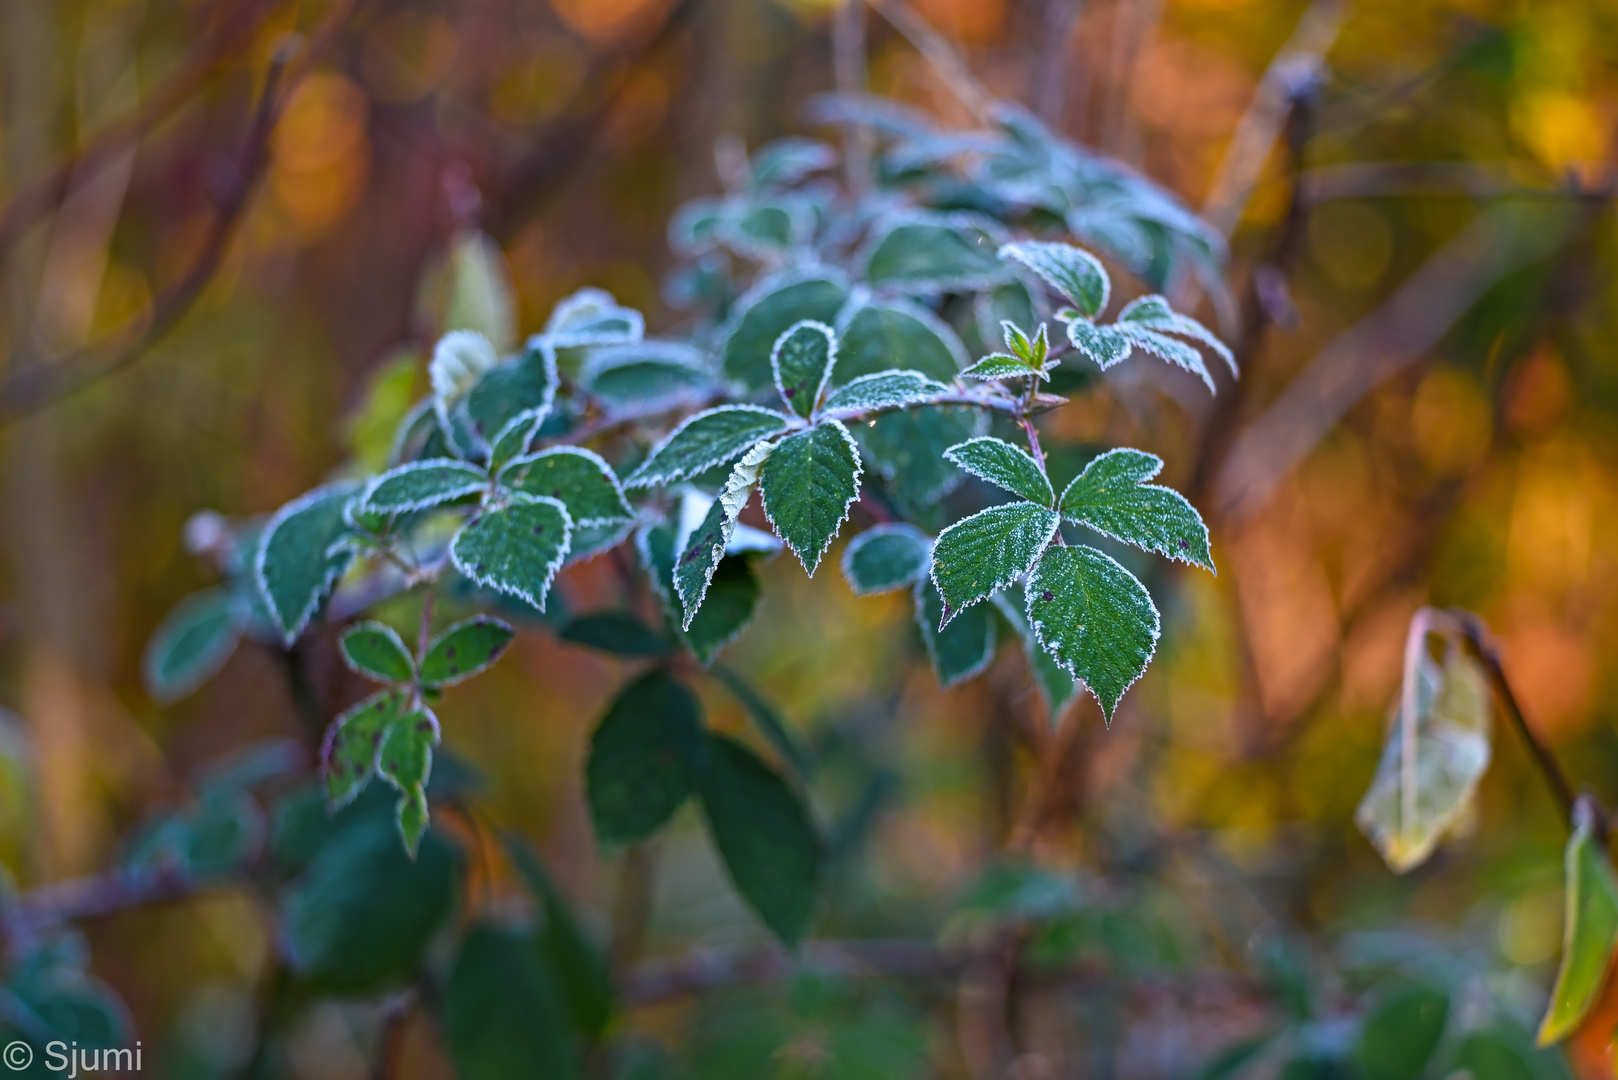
point(428, 602)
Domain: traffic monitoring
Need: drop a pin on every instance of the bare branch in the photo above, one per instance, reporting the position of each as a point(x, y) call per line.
point(937, 51)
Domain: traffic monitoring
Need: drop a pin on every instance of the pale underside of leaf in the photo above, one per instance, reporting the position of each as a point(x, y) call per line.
point(1589, 926)
point(701, 552)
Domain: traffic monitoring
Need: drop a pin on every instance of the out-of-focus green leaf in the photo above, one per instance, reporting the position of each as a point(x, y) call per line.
point(616, 632)
point(1589, 929)
point(377, 652)
point(465, 650)
point(766, 313)
point(503, 1014)
point(297, 563)
point(190, 645)
point(964, 647)
point(1398, 1037)
point(646, 757)
point(577, 963)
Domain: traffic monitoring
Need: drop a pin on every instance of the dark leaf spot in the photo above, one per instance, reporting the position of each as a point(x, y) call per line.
point(1045, 594)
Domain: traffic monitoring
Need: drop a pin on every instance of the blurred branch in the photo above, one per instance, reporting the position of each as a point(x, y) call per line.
point(1471, 179)
point(41, 195)
point(91, 897)
point(1294, 67)
point(1050, 81)
point(848, 55)
point(936, 49)
point(32, 386)
point(1383, 343)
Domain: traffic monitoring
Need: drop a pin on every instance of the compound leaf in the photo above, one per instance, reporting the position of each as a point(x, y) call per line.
point(579, 479)
point(1154, 313)
point(802, 362)
point(1095, 618)
point(886, 557)
point(1074, 273)
point(646, 757)
point(1164, 347)
point(1004, 465)
point(190, 645)
point(464, 650)
point(406, 762)
point(809, 481)
point(987, 551)
point(515, 549)
point(1588, 930)
point(349, 751)
point(297, 563)
point(763, 832)
point(710, 438)
point(1112, 497)
point(376, 651)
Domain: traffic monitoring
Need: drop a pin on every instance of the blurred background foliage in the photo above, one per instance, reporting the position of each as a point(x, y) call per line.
point(1422, 265)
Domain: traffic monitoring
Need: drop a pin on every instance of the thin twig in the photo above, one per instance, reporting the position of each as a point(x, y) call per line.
point(937, 51)
point(848, 57)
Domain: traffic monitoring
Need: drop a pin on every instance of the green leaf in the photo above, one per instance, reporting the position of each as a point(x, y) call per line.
point(711, 438)
point(190, 645)
point(1000, 366)
point(477, 287)
point(577, 478)
point(988, 551)
point(933, 256)
point(643, 371)
point(522, 388)
point(1112, 497)
point(1399, 1036)
point(907, 450)
point(515, 549)
point(360, 916)
point(1105, 345)
point(886, 557)
point(376, 651)
point(645, 758)
point(459, 360)
point(592, 317)
point(296, 564)
point(959, 650)
point(1004, 465)
point(1094, 618)
point(503, 1014)
point(895, 335)
point(577, 963)
point(353, 742)
point(421, 485)
point(464, 650)
point(1154, 313)
point(406, 762)
point(809, 482)
point(787, 160)
point(615, 632)
point(1056, 686)
point(1432, 761)
point(764, 834)
point(727, 607)
point(766, 312)
point(802, 362)
point(882, 391)
point(705, 547)
point(1074, 273)
point(1589, 927)
point(1166, 348)
point(513, 439)
point(797, 756)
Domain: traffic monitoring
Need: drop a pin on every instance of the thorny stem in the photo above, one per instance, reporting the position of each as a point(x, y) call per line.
point(1027, 422)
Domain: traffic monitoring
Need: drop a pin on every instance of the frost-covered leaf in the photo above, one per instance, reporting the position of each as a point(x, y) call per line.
point(1000, 366)
point(375, 650)
point(588, 541)
point(1153, 313)
point(406, 762)
point(502, 1012)
point(1095, 618)
point(886, 557)
point(694, 228)
point(592, 317)
point(710, 438)
point(727, 607)
point(701, 551)
point(1106, 345)
point(1589, 927)
point(892, 334)
point(515, 549)
point(883, 390)
point(514, 439)
point(348, 754)
point(576, 477)
point(765, 836)
point(643, 371)
point(190, 645)
point(1004, 465)
point(421, 485)
point(961, 649)
point(459, 360)
point(1072, 272)
point(1055, 685)
point(477, 290)
point(645, 758)
point(1112, 497)
point(296, 563)
point(808, 483)
point(907, 449)
point(1166, 348)
point(802, 362)
point(521, 387)
point(464, 650)
point(933, 256)
point(767, 230)
point(1437, 750)
point(994, 308)
point(785, 161)
point(766, 312)
point(987, 551)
